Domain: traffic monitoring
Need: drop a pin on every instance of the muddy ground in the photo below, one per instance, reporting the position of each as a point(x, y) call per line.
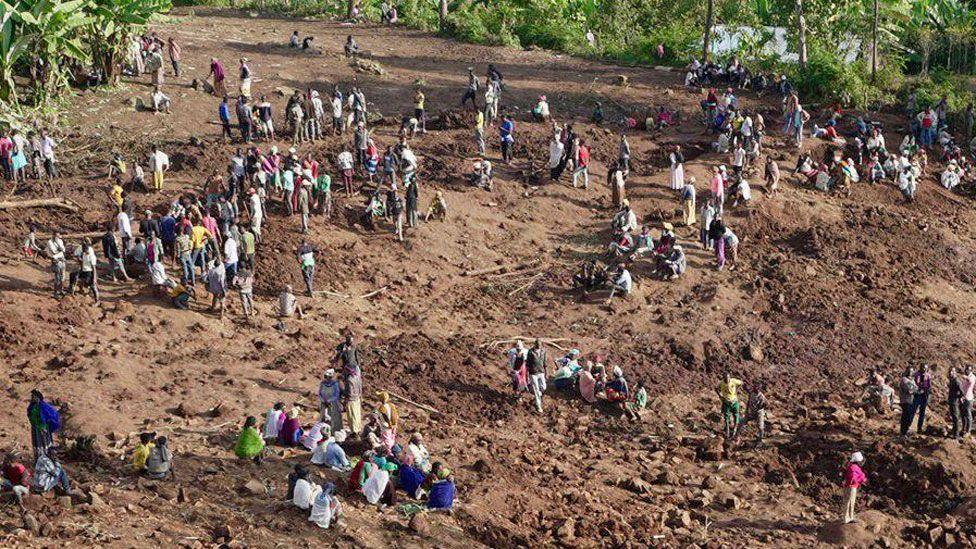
point(828, 286)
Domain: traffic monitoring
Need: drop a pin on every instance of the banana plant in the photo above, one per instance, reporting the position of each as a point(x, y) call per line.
point(52, 31)
point(13, 46)
point(112, 24)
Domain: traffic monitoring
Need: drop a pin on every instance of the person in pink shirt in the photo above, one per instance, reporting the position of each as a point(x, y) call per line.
point(717, 186)
point(6, 152)
point(210, 223)
point(853, 478)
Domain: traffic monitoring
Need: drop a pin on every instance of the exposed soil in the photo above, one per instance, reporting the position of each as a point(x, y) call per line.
point(827, 287)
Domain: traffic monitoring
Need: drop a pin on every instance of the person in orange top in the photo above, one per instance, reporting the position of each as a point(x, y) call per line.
point(854, 477)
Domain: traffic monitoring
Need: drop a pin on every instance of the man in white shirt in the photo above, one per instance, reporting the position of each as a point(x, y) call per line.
point(556, 149)
point(158, 163)
point(345, 163)
point(125, 230)
point(230, 256)
point(257, 212)
point(738, 159)
point(623, 282)
point(47, 153)
point(55, 251)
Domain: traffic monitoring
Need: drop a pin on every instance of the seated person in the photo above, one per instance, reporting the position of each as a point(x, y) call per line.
point(250, 444)
point(141, 453)
point(541, 111)
point(307, 42)
point(617, 390)
point(741, 192)
point(440, 487)
point(326, 508)
point(411, 480)
point(351, 48)
point(622, 283)
point(16, 477)
point(625, 220)
point(305, 491)
point(643, 243)
point(160, 459)
point(722, 145)
point(294, 40)
point(288, 303)
point(952, 175)
point(635, 406)
point(482, 176)
point(330, 453)
point(180, 294)
point(622, 246)
point(675, 264)
point(567, 371)
point(160, 101)
point(291, 430)
point(416, 453)
point(49, 474)
point(437, 208)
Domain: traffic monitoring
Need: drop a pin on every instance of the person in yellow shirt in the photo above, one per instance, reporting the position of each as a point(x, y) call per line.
point(479, 132)
point(116, 194)
point(727, 392)
point(141, 453)
point(199, 236)
point(418, 110)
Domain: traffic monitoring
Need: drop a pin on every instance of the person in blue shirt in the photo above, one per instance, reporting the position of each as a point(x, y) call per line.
point(224, 111)
point(507, 133)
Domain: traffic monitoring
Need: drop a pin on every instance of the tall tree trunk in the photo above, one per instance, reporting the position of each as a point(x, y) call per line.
point(874, 43)
point(443, 13)
point(801, 25)
point(707, 42)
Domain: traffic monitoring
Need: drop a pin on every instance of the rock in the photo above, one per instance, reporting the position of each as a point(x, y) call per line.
point(755, 352)
point(182, 496)
point(668, 477)
point(95, 500)
point(731, 501)
point(710, 482)
point(255, 488)
point(46, 529)
point(636, 485)
point(31, 524)
point(419, 525)
point(934, 535)
point(65, 502)
point(223, 532)
point(679, 518)
point(711, 450)
point(622, 80)
point(567, 532)
point(367, 65)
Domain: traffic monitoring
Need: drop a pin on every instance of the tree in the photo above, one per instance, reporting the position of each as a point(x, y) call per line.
point(874, 42)
point(707, 42)
point(801, 26)
point(113, 24)
point(442, 14)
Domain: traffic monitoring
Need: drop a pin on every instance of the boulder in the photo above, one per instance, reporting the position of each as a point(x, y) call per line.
point(31, 524)
point(755, 352)
point(419, 524)
point(255, 488)
point(567, 531)
point(669, 478)
point(223, 532)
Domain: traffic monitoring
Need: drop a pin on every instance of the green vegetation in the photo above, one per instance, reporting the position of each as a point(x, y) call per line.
point(43, 42)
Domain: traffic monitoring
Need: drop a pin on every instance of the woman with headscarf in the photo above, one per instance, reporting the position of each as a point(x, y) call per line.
point(587, 383)
point(330, 453)
point(305, 491)
point(44, 421)
point(617, 390)
point(854, 477)
point(416, 454)
point(568, 369)
point(517, 367)
point(677, 178)
point(441, 487)
point(326, 507)
point(311, 438)
point(389, 411)
point(330, 399)
point(291, 429)
point(250, 444)
point(377, 487)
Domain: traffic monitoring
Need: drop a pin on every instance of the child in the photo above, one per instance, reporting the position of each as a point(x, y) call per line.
point(31, 248)
point(634, 407)
point(141, 453)
point(438, 208)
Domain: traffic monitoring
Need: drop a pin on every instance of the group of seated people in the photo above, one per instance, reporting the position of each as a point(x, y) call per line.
point(668, 257)
point(594, 384)
point(735, 74)
point(385, 466)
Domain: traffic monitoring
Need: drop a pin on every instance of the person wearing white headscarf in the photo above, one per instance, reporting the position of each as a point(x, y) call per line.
point(853, 478)
point(305, 493)
point(314, 435)
point(326, 509)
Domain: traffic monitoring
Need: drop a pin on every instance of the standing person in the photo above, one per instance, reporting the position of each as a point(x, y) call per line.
point(231, 255)
point(306, 260)
point(245, 120)
point(395, 211)
point(907, 390)
point(353, 393)
point(244, 280)
point(361, 143)
point(556, 165)
point(471, 92)
point(304, 203)
point(158, 163)
point(256, 211)
point(517, 357)
point(88, 272)
point(217, 286)
point(506, 132)
point(854, 477)
point(968, 383)
point(245, 74)
point(536, 363)
point(756, 410)
point(266, 119)
point(954, 397)
point(923, 382)
point(623, 155)
point(727, 393)
point(330, 400)
point(323, 194)
point(582, 164)
point(337, 123)
point(317, 116)
point(44, 421)
point(345, 164)
point(55, 252)
point(800, 117)
point(618, 185)
point(124, 224)
point(479, 132)
point(47, 153)
point(175, 53)
point(772, 175)
point(116, 260)
point(224, 112)
point(217, 71)
point(677, 178)
point(688, 197)
point(419, 112)
point(413, 203)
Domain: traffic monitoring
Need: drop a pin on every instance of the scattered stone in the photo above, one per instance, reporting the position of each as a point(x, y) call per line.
point(223, 532)
point(255, 488)
point(755, 353)
point(731, 501)
point(46, 529)
point(182, 496)
point(710, 482)
point(622, 80)
point(65, 502)
point(419, 524)
point(567, 532)
point(31, 524)
point(668, 477)
point(367, 65)
point(679, 518)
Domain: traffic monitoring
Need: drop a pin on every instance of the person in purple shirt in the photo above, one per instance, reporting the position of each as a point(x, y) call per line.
point(923, 380)
point(217, 70)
